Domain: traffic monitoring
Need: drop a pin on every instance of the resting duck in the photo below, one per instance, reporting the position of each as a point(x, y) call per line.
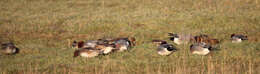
point(9, 48)
point(200, 48)
point(106, 48)
point(201, 38)
point(237, 38)
point(123, 44)
point(87, 52)
point(89, 43)
point(164, 48)
point(180, 39)
point(206, 39)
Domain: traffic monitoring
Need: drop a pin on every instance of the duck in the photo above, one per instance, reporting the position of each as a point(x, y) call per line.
point(89, 43)
point(213, 41)
point(200, 48)
point(106, 48)
point(9, 48)
point(206, 39)
point(123, 44)
point(105, 41)
point(164, 48)
point(201, 38)
point(180, 38)
point(237, 38)
point(87, 52)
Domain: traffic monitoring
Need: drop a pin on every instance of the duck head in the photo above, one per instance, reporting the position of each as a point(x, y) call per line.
point(79, 44)
point(76, 53)
point(132, 41)
point(232, 35)
point(175, 38)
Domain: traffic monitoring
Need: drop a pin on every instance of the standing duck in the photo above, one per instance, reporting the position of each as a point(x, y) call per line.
point(164, 48)
point(9, 48)
point(180, 38)
point(200, 48)
point(237, 38)
point(87, 52)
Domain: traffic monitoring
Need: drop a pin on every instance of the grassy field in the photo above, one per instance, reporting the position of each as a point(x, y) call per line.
point(44, 30)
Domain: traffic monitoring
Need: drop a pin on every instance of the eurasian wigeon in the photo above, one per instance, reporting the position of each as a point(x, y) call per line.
point(206, 39)
point(123, 44)
point(87, 52)
point(164, 48)
point(106, 48)
point(237, 38)
point(180, 38)
point(9, 48)
point(200, 48)
point(89, 43)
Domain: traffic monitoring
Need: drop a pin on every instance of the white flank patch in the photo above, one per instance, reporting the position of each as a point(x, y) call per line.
point(237, 41)
point(177, 41)
point(84, 55)
point(123, 48)
point(204, 51)
point(164, 52)
point(107, 50)
point(14, 50)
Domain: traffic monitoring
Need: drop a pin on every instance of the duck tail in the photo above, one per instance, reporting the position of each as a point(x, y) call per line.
point(17, 50)
point(171, 38)
point(244, 38)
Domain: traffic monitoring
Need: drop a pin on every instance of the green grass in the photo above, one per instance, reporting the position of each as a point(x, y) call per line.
point(44, 29)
